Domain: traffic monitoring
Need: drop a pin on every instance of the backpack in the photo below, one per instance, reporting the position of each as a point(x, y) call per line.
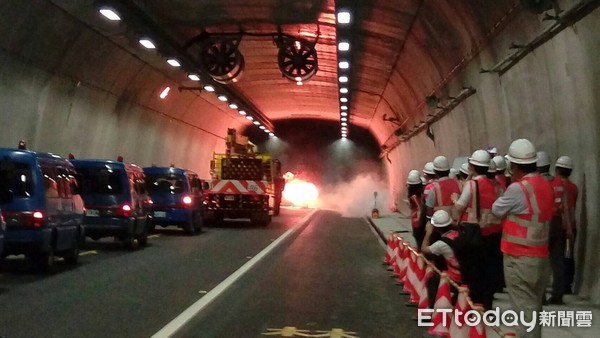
point(468, 249)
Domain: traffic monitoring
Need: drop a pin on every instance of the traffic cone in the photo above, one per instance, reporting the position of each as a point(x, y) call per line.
point(395, 254)
point(441, 320)
point(401, 260)
point(409, 278)
point(390, 248)
point(424, 296)
point(458, 328)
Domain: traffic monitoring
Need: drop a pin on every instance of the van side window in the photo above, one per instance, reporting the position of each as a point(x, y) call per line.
point(51, 185)
point(195, 184)
point(64, 188)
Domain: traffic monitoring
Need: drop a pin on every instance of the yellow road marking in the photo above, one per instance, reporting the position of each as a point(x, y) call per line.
point(90, 252)
point(153, 236)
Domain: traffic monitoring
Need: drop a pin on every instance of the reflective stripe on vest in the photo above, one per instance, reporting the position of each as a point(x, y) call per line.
point(527, 234)
point(489, 191)
point(558, 185)
point(443, 194)
point(452, 265)
point(415, 207)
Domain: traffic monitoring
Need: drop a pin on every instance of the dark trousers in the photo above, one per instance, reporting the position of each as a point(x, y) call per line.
point(432, 286)
point(492, 275)
point(557, 246)
point(570, 267)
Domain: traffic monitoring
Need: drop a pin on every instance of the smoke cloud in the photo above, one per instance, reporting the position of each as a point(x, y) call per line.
point(355, 198)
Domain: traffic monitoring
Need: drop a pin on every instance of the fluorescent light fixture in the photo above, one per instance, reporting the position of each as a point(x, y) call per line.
point(267, 131)
point(298, 79)
point(299, 83)
point(344, 107)
point(344, 90)
point(147, 43)
point(344, 113)
point(344, 124)
point(110, 14)
point(249, 117)
point(343, 99)
point(271, 134)
point(242, 112)
point(262, 127)
point(343, 16)
point(343, 135)
point(343, 46)
point(222, 98)
point(209, 88)
point(174, 62)
point(233, 106)
point(344, 65)
point(343, 79)
point(193, 77)
point(344, 119)
point(256, 123)
point(165, 92)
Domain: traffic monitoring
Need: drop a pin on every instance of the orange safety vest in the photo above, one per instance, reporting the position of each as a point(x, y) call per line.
point(444, 190)
point(489, 191)
point(527, 234)
point(415, 208)
point(452, 265)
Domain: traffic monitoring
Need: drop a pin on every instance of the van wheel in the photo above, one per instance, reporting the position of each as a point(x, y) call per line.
point(45, 261)
point(198, 222)
point(72, 256)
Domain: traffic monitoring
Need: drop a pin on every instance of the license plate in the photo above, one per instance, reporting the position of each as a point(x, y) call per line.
point(229, 197)
point(92, 213)
point(160, 214)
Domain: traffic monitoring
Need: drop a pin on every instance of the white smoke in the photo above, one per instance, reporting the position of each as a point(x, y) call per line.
point(355, 198)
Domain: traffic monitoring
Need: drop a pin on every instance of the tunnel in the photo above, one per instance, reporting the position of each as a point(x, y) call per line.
point(401, 80)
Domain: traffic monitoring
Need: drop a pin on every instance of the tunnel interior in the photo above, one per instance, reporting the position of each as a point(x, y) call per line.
point(424, 78)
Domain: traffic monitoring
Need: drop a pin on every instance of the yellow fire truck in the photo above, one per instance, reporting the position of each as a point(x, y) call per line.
point(243, 184)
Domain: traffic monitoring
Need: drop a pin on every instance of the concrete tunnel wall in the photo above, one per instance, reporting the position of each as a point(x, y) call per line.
point(66, 89)
point(549, 97)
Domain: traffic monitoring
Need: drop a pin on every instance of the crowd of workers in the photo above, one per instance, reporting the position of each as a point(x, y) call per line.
point(499, 222)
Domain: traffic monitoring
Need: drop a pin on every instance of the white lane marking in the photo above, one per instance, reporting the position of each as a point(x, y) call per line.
point(176, 324)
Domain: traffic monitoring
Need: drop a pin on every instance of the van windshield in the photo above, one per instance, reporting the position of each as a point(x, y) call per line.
point(16, 177)
point(164, 184)
point(100, 181)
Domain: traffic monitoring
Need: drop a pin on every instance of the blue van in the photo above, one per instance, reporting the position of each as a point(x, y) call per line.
point(177, 198)
point(40, 202)
point(116, 201)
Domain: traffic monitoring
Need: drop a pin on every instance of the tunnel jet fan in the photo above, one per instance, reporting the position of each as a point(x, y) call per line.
point(297, 59)
point(221, 59)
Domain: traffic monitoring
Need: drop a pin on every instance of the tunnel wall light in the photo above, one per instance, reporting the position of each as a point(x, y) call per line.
point(344, 90)
point(242, 112)
point(233, 106)
point(147, 43)
point(174, 62)
point(164, 93)
point(344, 17)
point(193, 77)
point(344, 65)
point(343, 100)
point(343, 46)
point(110, 14)
point(249, 117)
point(222, 98)
point(209, 88)
point(343, 79)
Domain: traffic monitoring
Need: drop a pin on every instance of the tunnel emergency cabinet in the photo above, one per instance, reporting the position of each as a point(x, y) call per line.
point(243, 184)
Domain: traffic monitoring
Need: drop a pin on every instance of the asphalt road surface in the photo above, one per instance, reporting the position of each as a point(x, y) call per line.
point(324, 279)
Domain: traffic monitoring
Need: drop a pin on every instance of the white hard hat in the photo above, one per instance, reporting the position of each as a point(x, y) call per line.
point(440, 163)
point(453, 173)
point(464, 168)
point(564, 162)
point(522, 151)
point(441, 219)
point(492, 168)
point(543, 159)
point(413, 177)
point(423, 180)
point(428, 169)
point(480, 158)
point(500, 162)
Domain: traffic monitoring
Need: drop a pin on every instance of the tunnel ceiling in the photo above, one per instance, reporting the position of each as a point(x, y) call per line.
point(402, 50)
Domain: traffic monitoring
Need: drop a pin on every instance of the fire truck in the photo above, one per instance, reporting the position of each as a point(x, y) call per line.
point(243, 184)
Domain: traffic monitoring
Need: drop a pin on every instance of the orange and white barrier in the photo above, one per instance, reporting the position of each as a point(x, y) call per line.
point(414, 270)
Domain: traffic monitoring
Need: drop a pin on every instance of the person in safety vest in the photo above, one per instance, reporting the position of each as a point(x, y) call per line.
point(463, 174)
point(500, 163)
point(561, 229)
point(474, 207)
point(444, 190)
point(543, 165)
point(563, 170)
point(441, 223)
point(429, 175)
point(526, 208)
point(415, 187)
